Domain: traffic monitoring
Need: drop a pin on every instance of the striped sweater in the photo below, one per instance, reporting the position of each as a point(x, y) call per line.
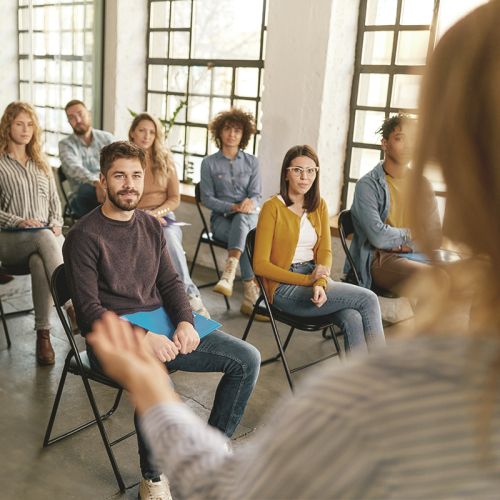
point(401, 423)
point(27, 193)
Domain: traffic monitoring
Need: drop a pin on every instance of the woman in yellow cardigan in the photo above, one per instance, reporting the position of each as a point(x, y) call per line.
point(293, 255)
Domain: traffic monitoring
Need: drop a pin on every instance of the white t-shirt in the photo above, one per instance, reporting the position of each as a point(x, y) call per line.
point(307, 239)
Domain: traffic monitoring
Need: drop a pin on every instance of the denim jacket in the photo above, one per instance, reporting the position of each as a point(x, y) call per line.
point(369, 211)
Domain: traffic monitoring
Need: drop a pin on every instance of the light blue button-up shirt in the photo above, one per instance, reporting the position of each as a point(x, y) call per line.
point(225, 182)
point(80, 163)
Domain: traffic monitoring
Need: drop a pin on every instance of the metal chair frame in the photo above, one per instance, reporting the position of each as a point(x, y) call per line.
point(207, 237)
point(319, 323)
point(74, 364)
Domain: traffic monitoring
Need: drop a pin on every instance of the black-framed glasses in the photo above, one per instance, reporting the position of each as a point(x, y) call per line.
point(299, 171)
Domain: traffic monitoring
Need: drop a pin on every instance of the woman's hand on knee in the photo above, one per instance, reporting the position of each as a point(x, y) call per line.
point(320, 271)
point(57, 230)
point(319, 296)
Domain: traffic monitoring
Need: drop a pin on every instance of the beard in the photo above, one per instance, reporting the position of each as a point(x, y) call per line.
point(127, 205)
point(81, 129)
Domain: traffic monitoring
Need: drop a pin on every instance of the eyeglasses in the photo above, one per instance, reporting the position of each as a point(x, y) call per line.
point(298, 171)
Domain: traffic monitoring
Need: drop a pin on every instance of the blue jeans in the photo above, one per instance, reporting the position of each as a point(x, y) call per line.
point(83, 200)
point(233, 230)
point(218, 352)
point(354, 309)
point(173, 237)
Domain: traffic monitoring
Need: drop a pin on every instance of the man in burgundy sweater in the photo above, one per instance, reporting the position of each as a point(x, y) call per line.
point(116, 260)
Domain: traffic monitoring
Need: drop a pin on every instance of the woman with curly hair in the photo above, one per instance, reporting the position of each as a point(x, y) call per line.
point(231, 187)
point(30, 214)
point(161, 196)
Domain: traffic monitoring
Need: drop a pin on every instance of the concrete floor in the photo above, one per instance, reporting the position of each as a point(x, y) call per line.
point(78, 467)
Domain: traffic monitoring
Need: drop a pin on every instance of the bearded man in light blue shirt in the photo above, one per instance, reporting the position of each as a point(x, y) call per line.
point(79, 156)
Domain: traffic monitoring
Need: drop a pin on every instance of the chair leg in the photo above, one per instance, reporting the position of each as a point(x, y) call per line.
point(336, 341)
point(217, 270)
point(289, 337)
point(249, 324)
point(195, 256)
point(48, 432)
point(4, 322)
point(102, 431)
point(282, 352)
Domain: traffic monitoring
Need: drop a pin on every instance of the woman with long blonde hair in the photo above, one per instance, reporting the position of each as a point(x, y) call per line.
point(161, 196)
point(420, 419)
point(30, 214)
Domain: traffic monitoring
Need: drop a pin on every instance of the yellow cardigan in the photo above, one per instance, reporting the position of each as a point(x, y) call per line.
point(276, 240)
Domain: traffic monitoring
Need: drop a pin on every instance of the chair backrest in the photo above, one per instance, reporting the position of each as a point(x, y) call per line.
point(61, 294)
point(197, 195)
point(346, 228)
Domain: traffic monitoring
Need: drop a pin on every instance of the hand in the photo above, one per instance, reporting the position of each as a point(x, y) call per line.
point(247, 206)
point(57, 230)
point(159, 218)
point(126, 358)
point(163, 348)
point(406, 249)
point(100, 193)
point(319, 296)
point(30, 223)
point(320, 271)
point(186, 338)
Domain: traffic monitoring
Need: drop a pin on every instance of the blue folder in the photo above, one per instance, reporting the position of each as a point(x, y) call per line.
point(157, 321)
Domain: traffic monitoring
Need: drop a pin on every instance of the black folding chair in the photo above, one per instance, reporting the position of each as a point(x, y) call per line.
point(67, 212)
point(346, 228)
point(207, 238)
point(12, 271)
point(78, 364)
point(311, 324)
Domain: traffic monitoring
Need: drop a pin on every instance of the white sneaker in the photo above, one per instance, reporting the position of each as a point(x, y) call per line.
point(197, 306)
point(395, 310)
point(225, 284)
point(150, 490)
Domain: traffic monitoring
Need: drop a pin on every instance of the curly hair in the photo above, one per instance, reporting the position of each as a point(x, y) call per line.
point(34, 147)
point(391, 123)
point(235, 116)
point(161, 158)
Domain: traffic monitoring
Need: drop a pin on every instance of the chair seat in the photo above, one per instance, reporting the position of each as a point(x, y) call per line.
point(209, 238)
point(299, 322)
point(89, 372)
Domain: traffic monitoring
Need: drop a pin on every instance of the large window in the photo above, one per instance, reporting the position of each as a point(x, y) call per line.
point(203, 57)
point(395, 38)
point(59, 60)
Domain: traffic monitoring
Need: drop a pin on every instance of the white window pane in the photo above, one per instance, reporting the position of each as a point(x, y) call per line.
point(156, 104)
point(247, 80)
point(405, 90)
point(196, 140)
point(373, 89)
point(192, 169)
point(418, 11)
point(176, 105)
point(158, 44)
point(175, 139)
point(198, 109)
point(223, 78)
point(199, 80)
point(177, 79)
point(227, 29)
point(451, 11)
point(381, 12)
point(377, 47)
point(159, 16)
point(350, 194)
point(181, 14)
point(157, 79)
point(365, 125)
point(179, 45)
point(219, 105)
point(362, 161)
point(412, 48)
point(246, 105)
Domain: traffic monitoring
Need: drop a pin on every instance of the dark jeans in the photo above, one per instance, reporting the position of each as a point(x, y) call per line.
point(84, 200)
point(218, 352)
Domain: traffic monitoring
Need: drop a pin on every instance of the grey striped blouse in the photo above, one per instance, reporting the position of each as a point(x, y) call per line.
point(401, 423)
point(27, 193)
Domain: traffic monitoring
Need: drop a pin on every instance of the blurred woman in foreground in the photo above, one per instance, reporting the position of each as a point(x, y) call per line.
point(419, 419)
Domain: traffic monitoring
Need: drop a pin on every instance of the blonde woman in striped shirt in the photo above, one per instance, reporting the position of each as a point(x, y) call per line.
point(420, 419)
point(28, 203)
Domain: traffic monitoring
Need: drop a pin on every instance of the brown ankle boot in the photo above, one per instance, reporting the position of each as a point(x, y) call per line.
point(44, 352)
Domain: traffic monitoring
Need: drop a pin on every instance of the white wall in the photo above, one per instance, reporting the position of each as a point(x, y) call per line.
point(8, 55)
point(309, 64)
point(124, 63)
